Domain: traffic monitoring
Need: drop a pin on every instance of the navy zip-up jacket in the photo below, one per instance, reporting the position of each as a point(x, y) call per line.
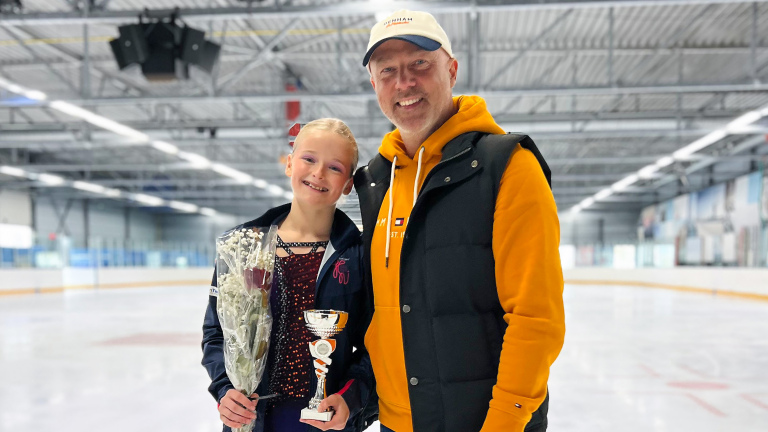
point(340, 286)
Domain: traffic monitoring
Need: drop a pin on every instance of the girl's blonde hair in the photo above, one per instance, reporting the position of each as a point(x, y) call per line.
point(336, 126)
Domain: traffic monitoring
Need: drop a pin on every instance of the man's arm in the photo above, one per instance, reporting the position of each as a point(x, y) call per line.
point(529, 279)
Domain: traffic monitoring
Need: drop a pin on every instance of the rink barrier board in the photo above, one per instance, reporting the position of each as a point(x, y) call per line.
point(689, 289)
point(50, 290)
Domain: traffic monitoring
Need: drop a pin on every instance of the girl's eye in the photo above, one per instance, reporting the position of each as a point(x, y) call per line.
point(309, 159)
point(337, 169)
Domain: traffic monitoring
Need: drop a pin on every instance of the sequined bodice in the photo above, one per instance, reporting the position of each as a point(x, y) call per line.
point(290, 361)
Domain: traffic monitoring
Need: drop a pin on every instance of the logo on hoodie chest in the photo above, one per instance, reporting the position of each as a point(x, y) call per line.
point(397, 226)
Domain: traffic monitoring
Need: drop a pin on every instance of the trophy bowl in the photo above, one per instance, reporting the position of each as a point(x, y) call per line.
point(325, 323)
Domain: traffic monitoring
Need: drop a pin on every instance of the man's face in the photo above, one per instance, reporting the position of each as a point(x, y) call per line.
point(413, 86)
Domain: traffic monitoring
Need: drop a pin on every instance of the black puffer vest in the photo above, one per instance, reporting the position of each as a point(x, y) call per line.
point(452, 320)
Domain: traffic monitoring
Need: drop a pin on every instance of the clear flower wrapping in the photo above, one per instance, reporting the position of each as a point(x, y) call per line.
point(245, 260)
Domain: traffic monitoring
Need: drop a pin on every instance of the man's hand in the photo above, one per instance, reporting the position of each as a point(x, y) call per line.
point(236, 410)
point(340, 417)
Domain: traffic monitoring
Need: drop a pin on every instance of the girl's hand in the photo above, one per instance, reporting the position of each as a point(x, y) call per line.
point(340, 417)
point(236, 410)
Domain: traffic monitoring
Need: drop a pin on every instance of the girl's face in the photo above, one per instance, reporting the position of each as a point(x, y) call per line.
point(320, 167)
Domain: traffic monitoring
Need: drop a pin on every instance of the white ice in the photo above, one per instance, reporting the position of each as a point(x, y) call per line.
point(635, 360)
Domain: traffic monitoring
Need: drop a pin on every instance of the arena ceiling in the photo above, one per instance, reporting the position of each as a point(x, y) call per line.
point(605, 88)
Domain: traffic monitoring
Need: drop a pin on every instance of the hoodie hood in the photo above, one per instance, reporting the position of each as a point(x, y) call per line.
point(471, 116)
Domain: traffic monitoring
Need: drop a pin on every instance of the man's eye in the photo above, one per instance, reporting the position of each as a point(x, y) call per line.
point(387, 70)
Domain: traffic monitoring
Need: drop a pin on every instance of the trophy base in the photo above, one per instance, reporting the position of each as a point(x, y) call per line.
point(310, 414)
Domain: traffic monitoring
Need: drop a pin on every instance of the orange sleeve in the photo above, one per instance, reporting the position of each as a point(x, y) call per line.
point(529, 279)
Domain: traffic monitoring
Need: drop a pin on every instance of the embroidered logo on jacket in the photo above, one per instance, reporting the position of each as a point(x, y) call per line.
point(341, 272)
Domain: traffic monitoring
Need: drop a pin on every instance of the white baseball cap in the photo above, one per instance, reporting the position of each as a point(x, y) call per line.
point(418, 28)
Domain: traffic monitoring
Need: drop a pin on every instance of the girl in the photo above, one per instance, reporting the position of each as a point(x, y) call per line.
point(318, 265)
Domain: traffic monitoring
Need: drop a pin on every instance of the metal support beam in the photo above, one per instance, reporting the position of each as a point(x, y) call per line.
point(85, 74)
point(650, 67)
point(333, 10)
point(746, 145)
point(473, 49)
point(12, 31)
point(539, 80)
point(264, 55)
point(610, 47)
point(368, 96)
point(753, 44)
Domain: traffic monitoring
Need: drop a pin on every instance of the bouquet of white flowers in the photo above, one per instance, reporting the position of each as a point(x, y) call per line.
point(245, 260)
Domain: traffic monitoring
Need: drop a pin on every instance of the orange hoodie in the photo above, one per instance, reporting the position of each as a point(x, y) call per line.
point(527, 227)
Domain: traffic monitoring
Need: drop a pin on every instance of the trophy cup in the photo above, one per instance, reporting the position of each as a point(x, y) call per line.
point(323, 324)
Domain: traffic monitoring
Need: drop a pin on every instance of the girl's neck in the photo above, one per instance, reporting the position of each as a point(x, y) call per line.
point(307, 224)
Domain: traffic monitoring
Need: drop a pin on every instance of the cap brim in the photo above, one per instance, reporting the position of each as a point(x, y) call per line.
point(422, 42)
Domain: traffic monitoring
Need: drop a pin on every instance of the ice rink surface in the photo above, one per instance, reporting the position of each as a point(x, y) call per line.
point(635, 360)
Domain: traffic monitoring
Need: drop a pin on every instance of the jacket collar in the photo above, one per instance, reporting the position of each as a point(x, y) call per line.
point(344, 232)
point(379, 167)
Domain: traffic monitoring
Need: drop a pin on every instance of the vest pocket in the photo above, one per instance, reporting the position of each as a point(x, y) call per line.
point(464, 348)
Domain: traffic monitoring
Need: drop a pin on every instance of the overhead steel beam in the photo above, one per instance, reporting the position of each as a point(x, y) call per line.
point(139, 167)
point(334, 10)
point(264, 55)
point(13, 140)
point(370, 96)
point(747, 144)
point(12, 32)
point(290, 54)
point(507, 67)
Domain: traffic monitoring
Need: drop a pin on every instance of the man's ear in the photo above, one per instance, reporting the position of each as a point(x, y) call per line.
point(373, 84)
point(453, 70)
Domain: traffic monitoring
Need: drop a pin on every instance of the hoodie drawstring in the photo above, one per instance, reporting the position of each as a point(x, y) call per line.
point(389, 213)
point(416, 182)
point(392, 197)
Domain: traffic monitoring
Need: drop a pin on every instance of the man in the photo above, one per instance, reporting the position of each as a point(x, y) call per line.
point(462, 234)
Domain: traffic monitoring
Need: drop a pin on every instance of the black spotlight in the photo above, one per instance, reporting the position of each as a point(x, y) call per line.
point(131, 47)
point(163, 49)
point(10, 6)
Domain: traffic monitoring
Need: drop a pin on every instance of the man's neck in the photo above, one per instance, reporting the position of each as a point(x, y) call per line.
point(413, 141)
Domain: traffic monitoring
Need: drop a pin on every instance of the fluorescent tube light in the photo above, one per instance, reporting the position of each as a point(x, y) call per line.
point(148, 199)
point(207, 211)
point(178, 205)
point(165, 147)
point(89, 187)
point(603, 194)
point(50, 179)
point(13, 171)
point(648, 171)
point(625, 182)
point(97, 120)
point(231, 172)
point(196, 160)
point(705, 141)
point(275, 190)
